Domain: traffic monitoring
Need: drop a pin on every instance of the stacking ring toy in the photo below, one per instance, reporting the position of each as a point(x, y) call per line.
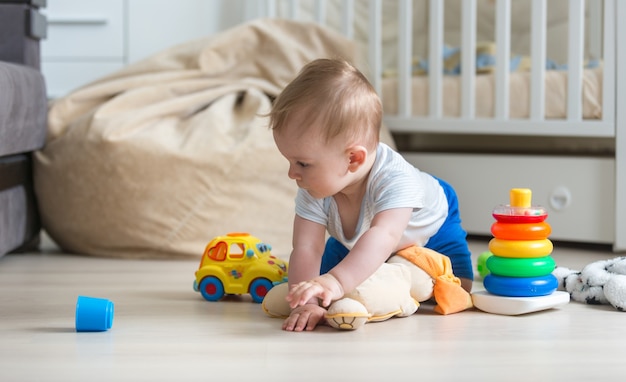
point(521, 286)
point(505, 218)
point(520, 210)
point(520, 248)
point(518, 231)
point(520, 267)
point(520, 213)
point(481, 263)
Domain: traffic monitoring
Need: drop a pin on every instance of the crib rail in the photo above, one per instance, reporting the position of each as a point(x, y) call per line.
point(573, 125)
point(603, 28)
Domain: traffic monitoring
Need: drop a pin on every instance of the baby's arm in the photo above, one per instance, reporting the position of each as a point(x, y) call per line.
point(304, 264)
point(368, 254)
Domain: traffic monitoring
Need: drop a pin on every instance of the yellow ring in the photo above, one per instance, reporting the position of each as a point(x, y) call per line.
point(520, 248)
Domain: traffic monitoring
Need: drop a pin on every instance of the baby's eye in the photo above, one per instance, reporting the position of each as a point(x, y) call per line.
point(302, 164)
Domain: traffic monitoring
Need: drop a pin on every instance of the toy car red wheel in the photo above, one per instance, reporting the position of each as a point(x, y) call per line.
point(259, 288)
point(211, 288)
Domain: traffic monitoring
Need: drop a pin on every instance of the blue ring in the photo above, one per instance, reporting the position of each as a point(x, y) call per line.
point(521, 286)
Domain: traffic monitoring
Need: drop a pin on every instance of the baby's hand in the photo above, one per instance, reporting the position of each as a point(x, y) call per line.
point(325, 287)
point(304, 317)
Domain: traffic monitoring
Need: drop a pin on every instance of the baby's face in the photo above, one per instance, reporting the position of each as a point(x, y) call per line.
point(317, 166)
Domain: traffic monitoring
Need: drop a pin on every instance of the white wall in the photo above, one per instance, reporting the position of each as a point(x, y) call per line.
point(154, 25)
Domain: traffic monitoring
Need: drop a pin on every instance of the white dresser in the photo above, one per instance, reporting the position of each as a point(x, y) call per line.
point(88, 39)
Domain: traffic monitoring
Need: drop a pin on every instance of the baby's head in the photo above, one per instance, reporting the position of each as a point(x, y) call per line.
point(335, 96)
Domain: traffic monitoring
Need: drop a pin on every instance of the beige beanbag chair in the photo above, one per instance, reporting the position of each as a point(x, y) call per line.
point(158, 158)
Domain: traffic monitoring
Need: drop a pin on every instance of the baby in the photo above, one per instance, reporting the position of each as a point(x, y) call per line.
point(366, 196)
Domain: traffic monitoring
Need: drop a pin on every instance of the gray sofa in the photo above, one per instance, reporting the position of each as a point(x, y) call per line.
point(23, 114)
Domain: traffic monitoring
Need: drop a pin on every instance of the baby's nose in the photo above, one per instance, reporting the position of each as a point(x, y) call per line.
point(293, 174)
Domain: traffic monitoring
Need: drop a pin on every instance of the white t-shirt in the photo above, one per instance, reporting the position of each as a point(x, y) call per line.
point(393, 183)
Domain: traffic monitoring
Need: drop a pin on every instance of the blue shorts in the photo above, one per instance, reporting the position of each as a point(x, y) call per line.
point(450, 240)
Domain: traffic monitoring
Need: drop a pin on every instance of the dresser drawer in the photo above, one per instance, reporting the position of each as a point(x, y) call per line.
point(84, 29)
point(578, 192)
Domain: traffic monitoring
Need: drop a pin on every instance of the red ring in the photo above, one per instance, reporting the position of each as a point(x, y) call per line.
point(519, 218)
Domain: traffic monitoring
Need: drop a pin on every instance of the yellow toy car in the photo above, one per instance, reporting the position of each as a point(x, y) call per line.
point(238, 263)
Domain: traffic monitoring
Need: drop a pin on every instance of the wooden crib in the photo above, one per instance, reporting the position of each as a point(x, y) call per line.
point(473, 94)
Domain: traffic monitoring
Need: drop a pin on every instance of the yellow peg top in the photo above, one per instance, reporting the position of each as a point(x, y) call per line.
point(519, 209)
point(520, 197)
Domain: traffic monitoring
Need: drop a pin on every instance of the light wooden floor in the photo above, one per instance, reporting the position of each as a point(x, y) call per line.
point(164, 331)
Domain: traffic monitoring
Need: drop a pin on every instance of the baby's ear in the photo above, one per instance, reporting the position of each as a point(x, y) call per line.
point(357, 156)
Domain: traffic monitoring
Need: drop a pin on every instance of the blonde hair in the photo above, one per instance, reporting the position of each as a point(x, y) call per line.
point(337, 96)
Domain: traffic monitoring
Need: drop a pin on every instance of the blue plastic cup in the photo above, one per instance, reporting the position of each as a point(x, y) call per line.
point(93, 314)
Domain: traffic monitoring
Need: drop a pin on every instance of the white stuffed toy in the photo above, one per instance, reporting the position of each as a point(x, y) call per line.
point(383, 295)
point(413, 275)
point(600, 282)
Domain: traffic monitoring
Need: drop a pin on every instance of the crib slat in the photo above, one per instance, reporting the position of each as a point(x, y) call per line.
point(435, 63)
point(468, 58)
point(503, 53)
point(405, 43)
point(538, 60)
point(347, 18)
point(608, 62)
point(619, 44)
point(575, 59)
point(375, 43)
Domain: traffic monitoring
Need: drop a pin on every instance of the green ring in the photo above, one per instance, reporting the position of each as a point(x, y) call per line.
point(520, 267)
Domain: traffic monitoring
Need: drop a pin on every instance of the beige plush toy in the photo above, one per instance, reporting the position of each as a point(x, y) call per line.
point(396, 289)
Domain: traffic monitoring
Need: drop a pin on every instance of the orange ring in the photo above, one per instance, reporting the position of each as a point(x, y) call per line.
point(520, 231)
point(520, 248)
